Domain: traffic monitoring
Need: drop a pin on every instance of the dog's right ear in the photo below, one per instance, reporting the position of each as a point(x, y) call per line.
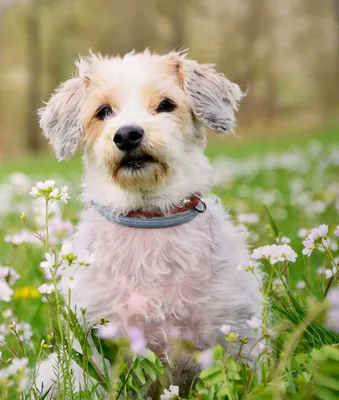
point(214, 98)
point(59, 119)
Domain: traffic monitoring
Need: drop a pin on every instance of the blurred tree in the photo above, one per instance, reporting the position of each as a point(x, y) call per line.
point(34, 70)
point(174, 14)
point(336, 15)
point(286, 53)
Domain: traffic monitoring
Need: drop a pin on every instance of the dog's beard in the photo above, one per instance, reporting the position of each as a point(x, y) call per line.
point(138, 170)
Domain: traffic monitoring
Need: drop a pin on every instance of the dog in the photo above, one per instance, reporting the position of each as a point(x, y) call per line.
point(166, 250)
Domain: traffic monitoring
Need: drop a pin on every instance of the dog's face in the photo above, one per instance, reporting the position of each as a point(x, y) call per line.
point(139, 118)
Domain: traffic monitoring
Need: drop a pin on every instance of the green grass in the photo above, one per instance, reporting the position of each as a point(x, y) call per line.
point(238, 147)
point(301, 366)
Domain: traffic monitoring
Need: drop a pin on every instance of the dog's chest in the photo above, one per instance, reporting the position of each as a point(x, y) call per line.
point(151, 274)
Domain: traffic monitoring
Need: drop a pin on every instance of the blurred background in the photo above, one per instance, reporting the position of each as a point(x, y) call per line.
point(285, 52)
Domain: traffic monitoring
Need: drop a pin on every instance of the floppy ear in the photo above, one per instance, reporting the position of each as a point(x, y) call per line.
point(215, 99)
point(59, 119)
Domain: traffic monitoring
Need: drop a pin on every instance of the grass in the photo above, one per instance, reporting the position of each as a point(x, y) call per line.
point(239, 147)
point(289, 182)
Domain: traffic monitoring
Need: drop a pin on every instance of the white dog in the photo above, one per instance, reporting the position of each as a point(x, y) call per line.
point(165, 259)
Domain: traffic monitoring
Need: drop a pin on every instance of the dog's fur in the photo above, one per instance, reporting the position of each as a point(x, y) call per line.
point(182, 277)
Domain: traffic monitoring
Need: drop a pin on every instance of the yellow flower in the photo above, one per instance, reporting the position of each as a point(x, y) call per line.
point(26, 292)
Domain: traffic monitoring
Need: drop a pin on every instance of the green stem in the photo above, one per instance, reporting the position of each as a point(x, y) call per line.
point(266, 311)
point(225, 385)
point(20, 343)
point(46, 226)
point(125, 381)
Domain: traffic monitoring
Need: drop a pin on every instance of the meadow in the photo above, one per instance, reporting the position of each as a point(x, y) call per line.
point(283, 189)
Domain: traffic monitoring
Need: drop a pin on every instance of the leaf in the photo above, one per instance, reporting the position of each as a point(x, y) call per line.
point(328, 382)
point(44, 396)
point(215, 378)
point(232, 365)
point(148, 367)
point(272, 222)
point(155, 366)
point(108, 348)
point(139, 373)
point(331, 352)
point(223, 392)
point(80, 360)
point(210, 371)
point(107, 376)
point(150, 356)
point(218, 352)
point(78, 331)
point(302, 358)
point(324, 394)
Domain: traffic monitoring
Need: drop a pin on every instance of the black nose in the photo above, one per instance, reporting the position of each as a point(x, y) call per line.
point(128, 137)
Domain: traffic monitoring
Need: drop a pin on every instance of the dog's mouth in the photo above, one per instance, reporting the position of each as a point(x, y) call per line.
point(136, 162)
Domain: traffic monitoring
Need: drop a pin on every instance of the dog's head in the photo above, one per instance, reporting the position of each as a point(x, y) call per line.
point(140, 118)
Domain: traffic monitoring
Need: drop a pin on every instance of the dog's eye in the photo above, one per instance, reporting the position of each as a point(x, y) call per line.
point(165, 106)
point(104, 112)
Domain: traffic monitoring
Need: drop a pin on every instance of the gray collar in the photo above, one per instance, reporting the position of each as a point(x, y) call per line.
point(154, 222)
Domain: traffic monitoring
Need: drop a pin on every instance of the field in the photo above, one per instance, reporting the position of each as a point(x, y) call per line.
point(280, 188)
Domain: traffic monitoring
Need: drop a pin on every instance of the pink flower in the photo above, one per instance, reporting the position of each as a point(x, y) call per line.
point(333, 312)
point(138, 342)
point(107, 331)
point(206, 359)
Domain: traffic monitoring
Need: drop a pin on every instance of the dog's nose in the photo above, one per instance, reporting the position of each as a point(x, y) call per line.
point(128, 137)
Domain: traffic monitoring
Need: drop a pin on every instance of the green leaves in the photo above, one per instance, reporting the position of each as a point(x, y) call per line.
point(325, 383)
point(136, 376)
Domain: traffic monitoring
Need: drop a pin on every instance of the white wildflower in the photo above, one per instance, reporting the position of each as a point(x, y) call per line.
point(16, 365)
point(49, 262)
point(301, 285)
point(9, 274)
point(309, 246)
point(34, 192)
point(86, 258)
point(64, 194)
point(172, 393)
point(5, 291)
point(283, 240)
point(330, 244)
point(249, 218)
point(66, 249)
point(321, 270)
point(333, 312)
point(46, 288)
point(275, 253)
point(261, 347)
point(302, 233)
point(225, 329)
point(253, 323)
point(329, 273)
point(316, 233)
point(7, 314)
point(54, 193)
point(46, 185)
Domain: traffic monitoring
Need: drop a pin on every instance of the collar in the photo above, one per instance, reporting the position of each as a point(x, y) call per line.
point(191, 206)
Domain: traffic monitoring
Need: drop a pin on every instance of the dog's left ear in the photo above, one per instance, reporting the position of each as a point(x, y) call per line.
point(59, 119)
point(214, 98)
